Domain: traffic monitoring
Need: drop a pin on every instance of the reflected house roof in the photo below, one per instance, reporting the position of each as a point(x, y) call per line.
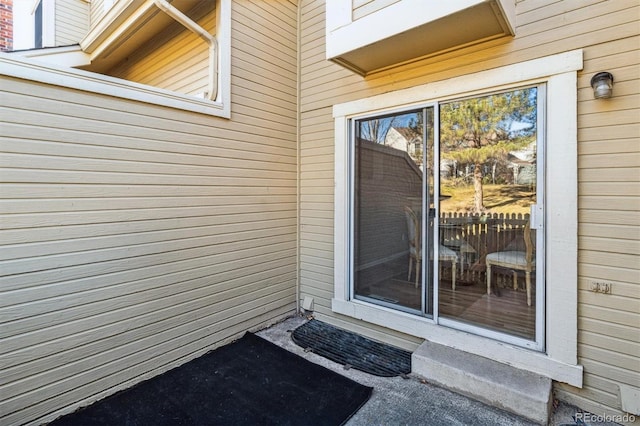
point(524, 156)
point(405, 139)
point(518, 161)
point(408, 133)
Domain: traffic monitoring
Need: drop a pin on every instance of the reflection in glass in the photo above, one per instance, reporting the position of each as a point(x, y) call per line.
point(484, 251)
point(387, 212)
point(488, 175)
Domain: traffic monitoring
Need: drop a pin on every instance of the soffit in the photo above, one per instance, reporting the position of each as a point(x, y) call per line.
point(125, 28)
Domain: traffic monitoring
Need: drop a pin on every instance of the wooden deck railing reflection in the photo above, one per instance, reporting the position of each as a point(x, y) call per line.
point(474, 236)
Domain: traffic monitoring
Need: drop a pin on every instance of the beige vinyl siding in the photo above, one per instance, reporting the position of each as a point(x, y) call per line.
point(137, 237)
point(362, 8)
point(72, 21)
point(609, 227)
point(608, 161)
point(317, 176)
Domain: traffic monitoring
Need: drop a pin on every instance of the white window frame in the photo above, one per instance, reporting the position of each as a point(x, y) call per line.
point(53, 72)
point(48, 21)
point(559, 73)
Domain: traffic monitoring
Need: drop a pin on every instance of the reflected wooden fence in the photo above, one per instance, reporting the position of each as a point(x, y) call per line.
point(473, 236)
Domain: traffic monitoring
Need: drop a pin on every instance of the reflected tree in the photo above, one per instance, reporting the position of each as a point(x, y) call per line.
point(376, 130)
point(484, 130)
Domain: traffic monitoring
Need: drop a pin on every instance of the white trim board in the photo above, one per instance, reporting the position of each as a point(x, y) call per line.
point(29, 69)
point(66, 56)
point(559, 72)
point(480, 82)
point(48, 23)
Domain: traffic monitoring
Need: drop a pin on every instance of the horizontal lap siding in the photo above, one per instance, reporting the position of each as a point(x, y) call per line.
point(608, 162)
point(608, 229)
point(316, 166)
point(137, 237)
point(72, 21)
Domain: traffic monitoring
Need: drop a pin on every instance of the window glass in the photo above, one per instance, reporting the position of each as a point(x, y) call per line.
point(488, 181)
point(387, 220)
point(483, 256)
point(38, 26)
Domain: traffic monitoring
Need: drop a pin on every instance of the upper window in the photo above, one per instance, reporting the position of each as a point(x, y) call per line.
point(104, 44)
point(37, 17)
point(43, 15)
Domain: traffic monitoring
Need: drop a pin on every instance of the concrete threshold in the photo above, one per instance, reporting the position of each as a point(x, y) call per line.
point(517, 391)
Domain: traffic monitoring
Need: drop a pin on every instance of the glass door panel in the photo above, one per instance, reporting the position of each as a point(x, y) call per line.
point(488, 183)
point(388, 188)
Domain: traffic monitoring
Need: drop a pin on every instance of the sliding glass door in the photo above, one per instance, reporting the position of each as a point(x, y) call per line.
point(489, 186)
point(389, 208)
point(450, 230)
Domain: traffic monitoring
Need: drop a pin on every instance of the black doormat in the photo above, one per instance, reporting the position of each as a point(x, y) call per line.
point(249, 382)
point(351, 349)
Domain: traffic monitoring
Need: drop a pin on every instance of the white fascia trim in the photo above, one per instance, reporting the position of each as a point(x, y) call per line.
point(338, 14)
point(98, 32)
point(28, 69)
point(107, 38)
point(67, 56)
point(345, 35)
point(559, 72)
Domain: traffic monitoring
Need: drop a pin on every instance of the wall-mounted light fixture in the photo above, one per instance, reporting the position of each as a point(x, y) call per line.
point(602, 84)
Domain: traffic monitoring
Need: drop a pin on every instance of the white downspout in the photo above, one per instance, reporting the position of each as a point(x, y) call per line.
point(212, 92)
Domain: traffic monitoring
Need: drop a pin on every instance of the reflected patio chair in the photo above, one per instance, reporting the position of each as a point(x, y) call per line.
point(454, 237)
point(415, 249)
point(515, 260)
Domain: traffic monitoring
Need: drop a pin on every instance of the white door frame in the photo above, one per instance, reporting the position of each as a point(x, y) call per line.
point(559, 71)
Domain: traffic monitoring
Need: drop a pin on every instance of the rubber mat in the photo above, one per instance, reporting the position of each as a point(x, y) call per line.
point(352, 350)
point(246, 383)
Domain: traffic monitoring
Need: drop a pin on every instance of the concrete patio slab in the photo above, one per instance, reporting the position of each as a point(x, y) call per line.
point(412, 400)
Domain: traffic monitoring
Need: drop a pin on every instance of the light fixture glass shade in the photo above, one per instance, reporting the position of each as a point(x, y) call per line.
point(602, 84)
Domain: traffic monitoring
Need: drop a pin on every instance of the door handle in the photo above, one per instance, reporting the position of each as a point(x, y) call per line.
point(536, 217)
